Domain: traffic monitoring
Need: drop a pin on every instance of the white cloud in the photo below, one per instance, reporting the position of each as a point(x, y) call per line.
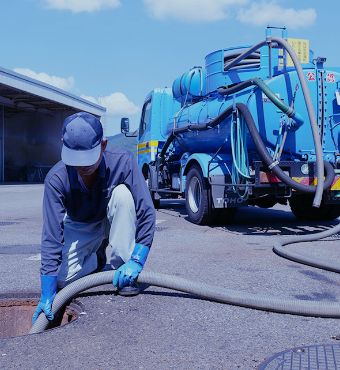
point(117, 104)
point(271, 13)
point(78, 6)
point(60, 82)
point(191, 10)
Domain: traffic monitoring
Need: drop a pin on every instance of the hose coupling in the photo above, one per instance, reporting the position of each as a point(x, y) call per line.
point(275, 163)
point(295, 116)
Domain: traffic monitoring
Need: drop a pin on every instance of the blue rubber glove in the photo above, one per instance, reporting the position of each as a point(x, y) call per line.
point(127, 274)
point(48, 292)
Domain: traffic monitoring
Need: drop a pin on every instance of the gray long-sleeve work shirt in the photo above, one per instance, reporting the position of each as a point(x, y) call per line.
point(66, 192)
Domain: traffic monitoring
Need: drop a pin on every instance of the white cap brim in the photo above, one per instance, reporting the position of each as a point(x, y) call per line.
point(80, 158)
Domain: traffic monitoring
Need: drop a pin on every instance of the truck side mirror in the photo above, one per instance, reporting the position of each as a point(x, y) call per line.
point(124, 125)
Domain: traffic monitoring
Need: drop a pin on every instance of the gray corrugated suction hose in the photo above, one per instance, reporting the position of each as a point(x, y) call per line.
point(205, 291)
point(309, 105)
point(312, 118)
point(319, 263)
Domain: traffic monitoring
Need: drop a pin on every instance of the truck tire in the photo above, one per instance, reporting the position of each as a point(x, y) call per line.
point(156, 202)
point(197, 202)
point(265, 202)
point(302, 208)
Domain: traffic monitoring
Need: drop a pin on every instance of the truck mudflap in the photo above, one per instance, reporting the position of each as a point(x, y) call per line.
point(225, 196)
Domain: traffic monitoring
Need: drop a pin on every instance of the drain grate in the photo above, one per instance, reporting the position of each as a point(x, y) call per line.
point(323, 356)
point(16, 316)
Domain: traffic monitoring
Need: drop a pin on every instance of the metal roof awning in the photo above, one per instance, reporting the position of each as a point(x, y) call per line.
point(19, 92)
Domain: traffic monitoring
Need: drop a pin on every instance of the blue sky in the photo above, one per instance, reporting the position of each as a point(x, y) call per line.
point(115, 51)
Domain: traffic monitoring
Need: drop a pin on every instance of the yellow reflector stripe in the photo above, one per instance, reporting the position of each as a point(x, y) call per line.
point(144, 151)
point(148, 144)
point(269, 178)
point(336, 184)
point(314, 181)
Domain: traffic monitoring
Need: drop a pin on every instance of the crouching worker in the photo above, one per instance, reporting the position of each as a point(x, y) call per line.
point(93, 198)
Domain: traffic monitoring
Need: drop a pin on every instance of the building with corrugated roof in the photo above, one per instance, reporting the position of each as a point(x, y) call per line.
point(31, 116)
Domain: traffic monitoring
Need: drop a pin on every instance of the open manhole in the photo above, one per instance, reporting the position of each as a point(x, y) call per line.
point(16, 315)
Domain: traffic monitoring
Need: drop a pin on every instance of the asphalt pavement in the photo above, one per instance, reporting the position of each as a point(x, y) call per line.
point(163, 329)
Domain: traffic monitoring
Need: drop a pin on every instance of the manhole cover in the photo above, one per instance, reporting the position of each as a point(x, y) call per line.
point(16, 316)
point(318, 357)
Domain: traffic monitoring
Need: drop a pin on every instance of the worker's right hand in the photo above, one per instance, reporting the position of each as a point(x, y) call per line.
point(48, 292)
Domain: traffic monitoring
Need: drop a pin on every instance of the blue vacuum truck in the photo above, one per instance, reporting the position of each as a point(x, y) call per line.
point(258, 125)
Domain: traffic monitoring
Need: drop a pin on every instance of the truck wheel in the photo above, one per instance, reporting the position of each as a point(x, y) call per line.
point(197, 197)
point(302, 208)
point(156, 202)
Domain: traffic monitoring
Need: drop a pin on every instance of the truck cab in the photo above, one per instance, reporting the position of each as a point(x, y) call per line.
point(158, 111)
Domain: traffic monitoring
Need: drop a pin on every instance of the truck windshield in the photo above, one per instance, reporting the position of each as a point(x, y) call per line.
point(145, 119)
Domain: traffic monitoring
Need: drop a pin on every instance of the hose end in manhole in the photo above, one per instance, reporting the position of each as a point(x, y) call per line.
point(16, 315)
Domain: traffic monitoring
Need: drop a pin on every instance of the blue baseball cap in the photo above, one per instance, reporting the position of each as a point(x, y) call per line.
point(82, 136)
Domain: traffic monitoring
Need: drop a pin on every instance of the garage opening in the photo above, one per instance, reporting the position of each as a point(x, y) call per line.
point(31, 116)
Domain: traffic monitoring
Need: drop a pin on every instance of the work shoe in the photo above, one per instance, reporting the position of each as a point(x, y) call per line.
point(129, 291)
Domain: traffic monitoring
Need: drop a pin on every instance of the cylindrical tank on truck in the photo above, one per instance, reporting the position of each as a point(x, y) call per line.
point(256, 126)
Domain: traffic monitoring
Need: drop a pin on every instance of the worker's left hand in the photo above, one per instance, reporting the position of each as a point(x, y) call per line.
point(127, 274)
point(48, 292)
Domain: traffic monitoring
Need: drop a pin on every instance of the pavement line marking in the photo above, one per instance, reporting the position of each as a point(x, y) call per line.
point(36, 257)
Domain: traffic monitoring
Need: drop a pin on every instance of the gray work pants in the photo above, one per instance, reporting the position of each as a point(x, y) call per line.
point(82, 240)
